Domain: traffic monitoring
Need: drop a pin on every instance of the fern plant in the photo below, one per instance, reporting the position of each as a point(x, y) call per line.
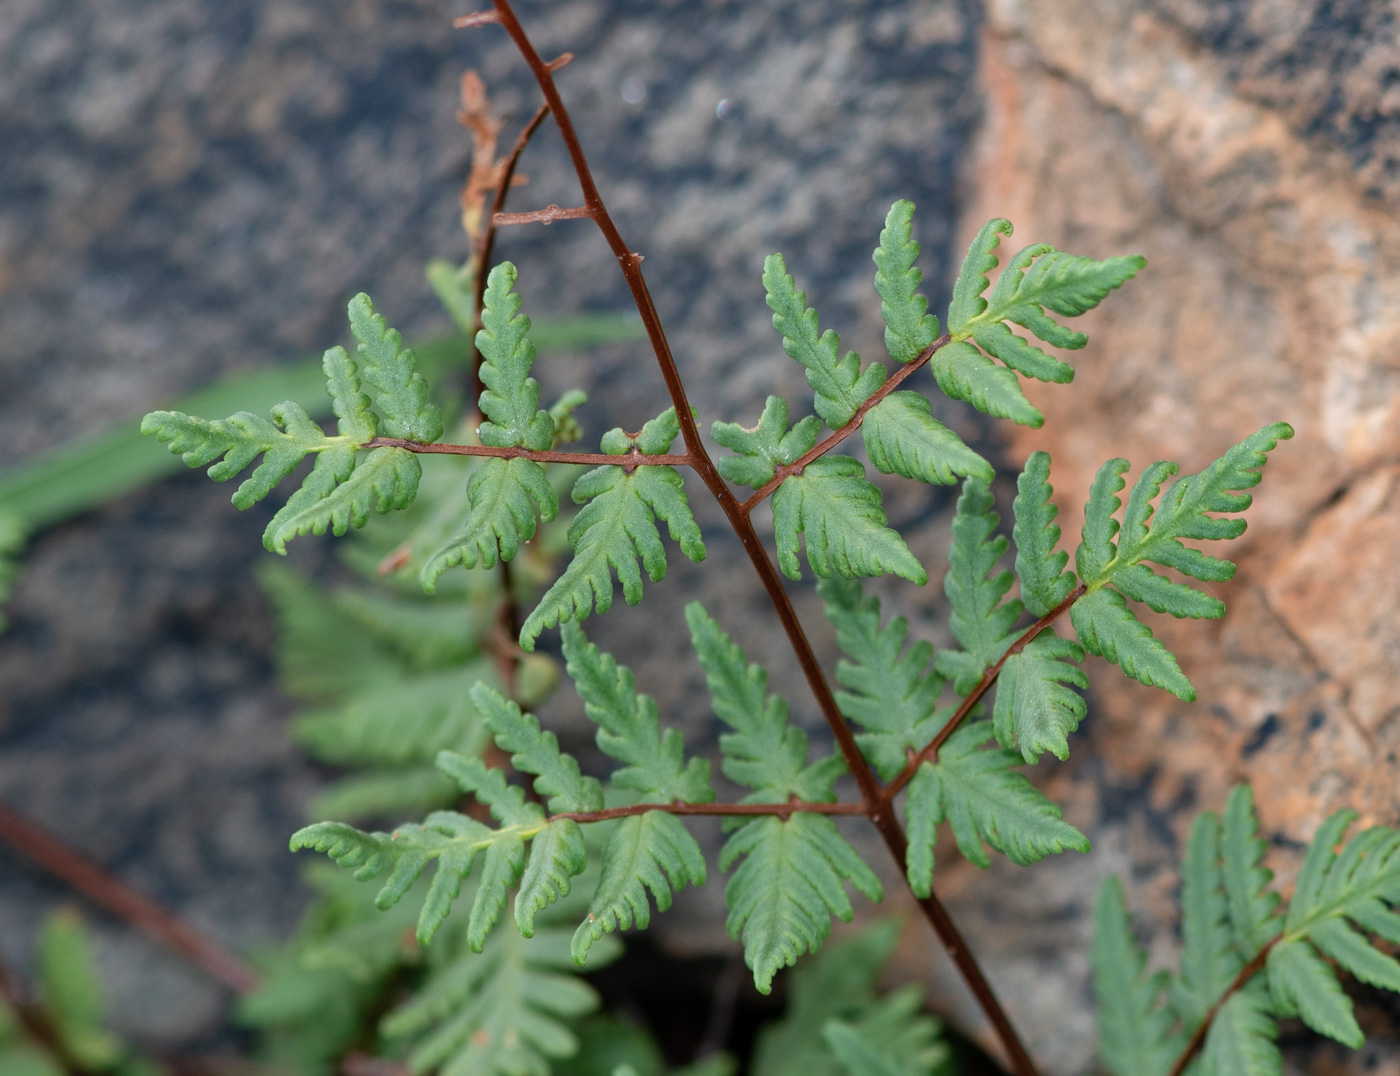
point(1249, 957)
point(924, 737)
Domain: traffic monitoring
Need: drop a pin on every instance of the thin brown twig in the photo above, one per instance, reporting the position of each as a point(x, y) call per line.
point(930, 752)
point(548, 215)
point(628, 460)
point(1236, 984)
point(877, 807)
point(783, 810)
point(782, 474)
point(51, 854)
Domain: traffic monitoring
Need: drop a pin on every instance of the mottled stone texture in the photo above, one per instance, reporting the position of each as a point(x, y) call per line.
point(1247, 150)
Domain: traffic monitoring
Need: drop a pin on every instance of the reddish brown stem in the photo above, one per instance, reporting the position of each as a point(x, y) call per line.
point(876, 806)
point(837, 436)
point(87, 877)
point(629, 460)
point(782, 810)
point(930, 752)
point(1236, 984)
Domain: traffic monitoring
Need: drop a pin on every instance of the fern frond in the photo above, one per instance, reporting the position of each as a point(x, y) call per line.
point(424, 635)
point(511, 397)
point(384, 793)
point(1135, 1027)
point(1360, 885)
point(615, 527)
point(339, 493)
point(453, 840)
point(1036, 278)
point(73, 1001)
point(838, 983)
point(893, 695)
point(505, 497)
point(629, 729)
point(652, 851)
point(789, 885)
point(893, 1038)
point(1208, 959)
point(764, 752)
point(909, 327)
point(766, 447)
point(1040, 568)
point(972, 278)
point(557, 855)
point(399, 720)
point(986, 802)
point(1034, 710)
point(1241, 1040)
point(902, 437)
point(840, 385)
point(1254, 919)
point(505, 1011)
point(980, 621)
point(239, 439)
point(536, 751)
point(838, 510)
point(389, 371)
point(1108, 628)
point(964, 373)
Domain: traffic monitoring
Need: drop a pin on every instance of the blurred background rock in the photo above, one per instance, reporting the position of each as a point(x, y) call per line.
point(189, 189)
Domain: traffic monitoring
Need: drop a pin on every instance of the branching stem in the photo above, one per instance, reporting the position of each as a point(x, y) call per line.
point(117, 897)
point(628, 460)
point(782, 810)
point(874, 802)
point(1236, 984)
point(930, 752)
point(829, 442)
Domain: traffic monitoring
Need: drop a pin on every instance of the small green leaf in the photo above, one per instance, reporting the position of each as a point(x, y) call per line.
point(652, 851)
point(841, 386)
point(351, 407)
point(557, 854)
point(980, 620)
point(782, 897)
point(985, 801)
point(902, 437)
point(1026, 359)
point(1097, 549)
point(1253, 906)
point(972, 279)
point(893, 696)
point(615, 527)
point(1241, 1040)
point(1209, 961)
point(964, 373)
point(536, 751)
point(838, 509)
point(1034, 710)
point(764, 751)
point(1302, 984)
point(766, 447)
point(510, 398)
point(505, 496)
point(389, 372)
point(1106, 627)
point(909, 328)
point(629, 728)
point(1135, 1028)
point(339, 493)
point(1041, 569)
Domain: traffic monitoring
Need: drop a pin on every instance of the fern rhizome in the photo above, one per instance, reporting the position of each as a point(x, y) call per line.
point(926, 738)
